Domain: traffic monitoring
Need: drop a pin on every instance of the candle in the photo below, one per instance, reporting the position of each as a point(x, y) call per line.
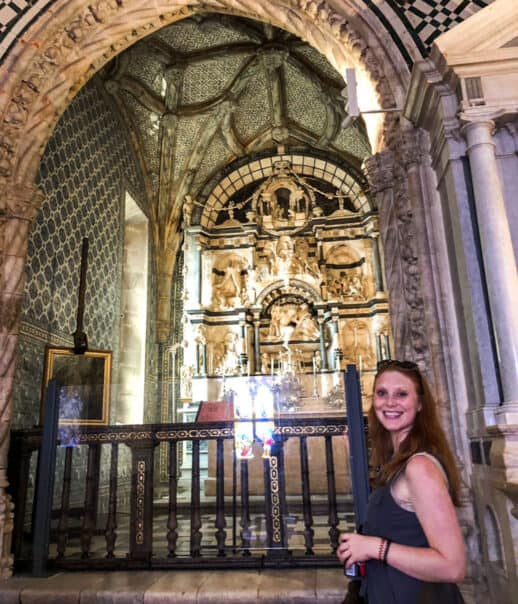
point(314, 365)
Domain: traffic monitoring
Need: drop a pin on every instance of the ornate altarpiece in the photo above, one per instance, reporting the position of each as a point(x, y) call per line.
point(284, 281)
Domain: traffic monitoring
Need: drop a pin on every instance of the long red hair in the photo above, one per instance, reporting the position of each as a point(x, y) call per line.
point(426, 434)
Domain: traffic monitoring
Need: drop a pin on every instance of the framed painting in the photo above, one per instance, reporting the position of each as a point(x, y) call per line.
point(83, 382)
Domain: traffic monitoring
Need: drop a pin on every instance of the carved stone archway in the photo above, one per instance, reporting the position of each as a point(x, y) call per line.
point(61, 51)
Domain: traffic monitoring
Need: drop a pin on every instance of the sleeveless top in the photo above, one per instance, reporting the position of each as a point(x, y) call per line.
point(385, 518)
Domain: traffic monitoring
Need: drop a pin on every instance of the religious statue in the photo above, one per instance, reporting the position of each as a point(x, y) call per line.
point(186, 373)
point(355, 287)
point(317, 358)
point(227, 282)
point(306, 327)
point(264, 363)
point(284, 251)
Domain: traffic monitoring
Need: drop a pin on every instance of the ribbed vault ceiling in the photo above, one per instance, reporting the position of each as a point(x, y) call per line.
point(210, 90)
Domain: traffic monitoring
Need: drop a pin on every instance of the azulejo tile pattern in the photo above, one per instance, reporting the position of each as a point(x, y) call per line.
point(84, 169)
point(423, 19)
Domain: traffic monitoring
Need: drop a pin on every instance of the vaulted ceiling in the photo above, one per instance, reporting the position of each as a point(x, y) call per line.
point(206, 92)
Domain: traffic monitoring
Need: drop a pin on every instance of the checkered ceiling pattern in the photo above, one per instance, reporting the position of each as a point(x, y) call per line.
point(428, 19)
point(424, 20)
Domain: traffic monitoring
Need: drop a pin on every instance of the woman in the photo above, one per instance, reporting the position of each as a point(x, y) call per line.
point(412, 539)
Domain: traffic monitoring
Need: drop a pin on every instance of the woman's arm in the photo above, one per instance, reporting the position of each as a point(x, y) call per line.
point(444, 560)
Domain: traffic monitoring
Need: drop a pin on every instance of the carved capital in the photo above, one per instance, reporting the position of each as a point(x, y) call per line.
point(411, 147)
point(380, 171)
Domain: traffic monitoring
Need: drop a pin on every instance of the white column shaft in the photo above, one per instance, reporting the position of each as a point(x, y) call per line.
point(497, 251)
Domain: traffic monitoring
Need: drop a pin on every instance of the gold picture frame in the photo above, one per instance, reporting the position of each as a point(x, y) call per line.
point(83, 382)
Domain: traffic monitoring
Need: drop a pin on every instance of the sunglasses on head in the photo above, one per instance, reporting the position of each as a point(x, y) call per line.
point(405, 365)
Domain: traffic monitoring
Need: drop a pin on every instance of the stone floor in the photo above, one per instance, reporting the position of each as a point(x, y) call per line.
point(298, 586)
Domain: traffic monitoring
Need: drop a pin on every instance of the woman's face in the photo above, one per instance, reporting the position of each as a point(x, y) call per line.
point(396, 404)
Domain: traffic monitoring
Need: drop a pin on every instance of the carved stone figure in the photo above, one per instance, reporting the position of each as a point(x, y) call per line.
point(228, 282)
point(186, 373)
point(284, 251)
point(318, 360)
point(306, 328)
point(355, 287)
point(292, 322)
point(264, 362)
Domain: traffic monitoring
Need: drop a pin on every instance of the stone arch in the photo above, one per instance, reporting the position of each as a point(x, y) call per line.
point(295, 287)
point(343, 254)
point(328, 172)
point(64, 48)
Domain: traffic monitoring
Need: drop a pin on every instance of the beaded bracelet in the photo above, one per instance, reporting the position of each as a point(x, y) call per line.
point(385, 554)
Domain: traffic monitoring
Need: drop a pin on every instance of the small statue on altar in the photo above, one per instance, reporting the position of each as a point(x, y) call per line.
point(186, 373)
point(264, 363)
point(306, 328)
point(318, 360)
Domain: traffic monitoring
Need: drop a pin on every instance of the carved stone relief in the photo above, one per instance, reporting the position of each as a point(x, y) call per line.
point(387, 177)
point(222, 351)
point(284, 202)
point(229, 282)
point(345, 278)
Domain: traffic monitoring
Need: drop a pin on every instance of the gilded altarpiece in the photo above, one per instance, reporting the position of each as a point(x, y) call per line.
point(284, 285)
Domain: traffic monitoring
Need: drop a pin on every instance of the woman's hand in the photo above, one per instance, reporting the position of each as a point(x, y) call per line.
point(357, 548)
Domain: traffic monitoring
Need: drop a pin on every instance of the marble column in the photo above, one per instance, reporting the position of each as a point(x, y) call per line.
point(386, 341)
point(497, 252)
point(379, 353)
point(204, 359)
point(337, 351)
point(378, 275)
point(243, 356)
point(257, 347)
point(192, 260)
point(322, 343)
point(17, 211)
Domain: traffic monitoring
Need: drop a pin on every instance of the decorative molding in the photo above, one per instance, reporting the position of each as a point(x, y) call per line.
point(275, 500)
point(139, 515)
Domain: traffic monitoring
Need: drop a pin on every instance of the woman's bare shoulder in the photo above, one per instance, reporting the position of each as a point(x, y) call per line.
point(424, 464)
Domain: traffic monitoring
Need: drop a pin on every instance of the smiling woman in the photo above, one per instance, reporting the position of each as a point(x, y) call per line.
point(411, 544)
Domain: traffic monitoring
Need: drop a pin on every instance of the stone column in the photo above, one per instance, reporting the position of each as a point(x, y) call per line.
point(257, 347)
point(18, 209)
point(243, 356)
point(498, 256)
point(337, 350)
point(192, 267)
point(378, 275)
point(379, 354)
point(322, 342)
